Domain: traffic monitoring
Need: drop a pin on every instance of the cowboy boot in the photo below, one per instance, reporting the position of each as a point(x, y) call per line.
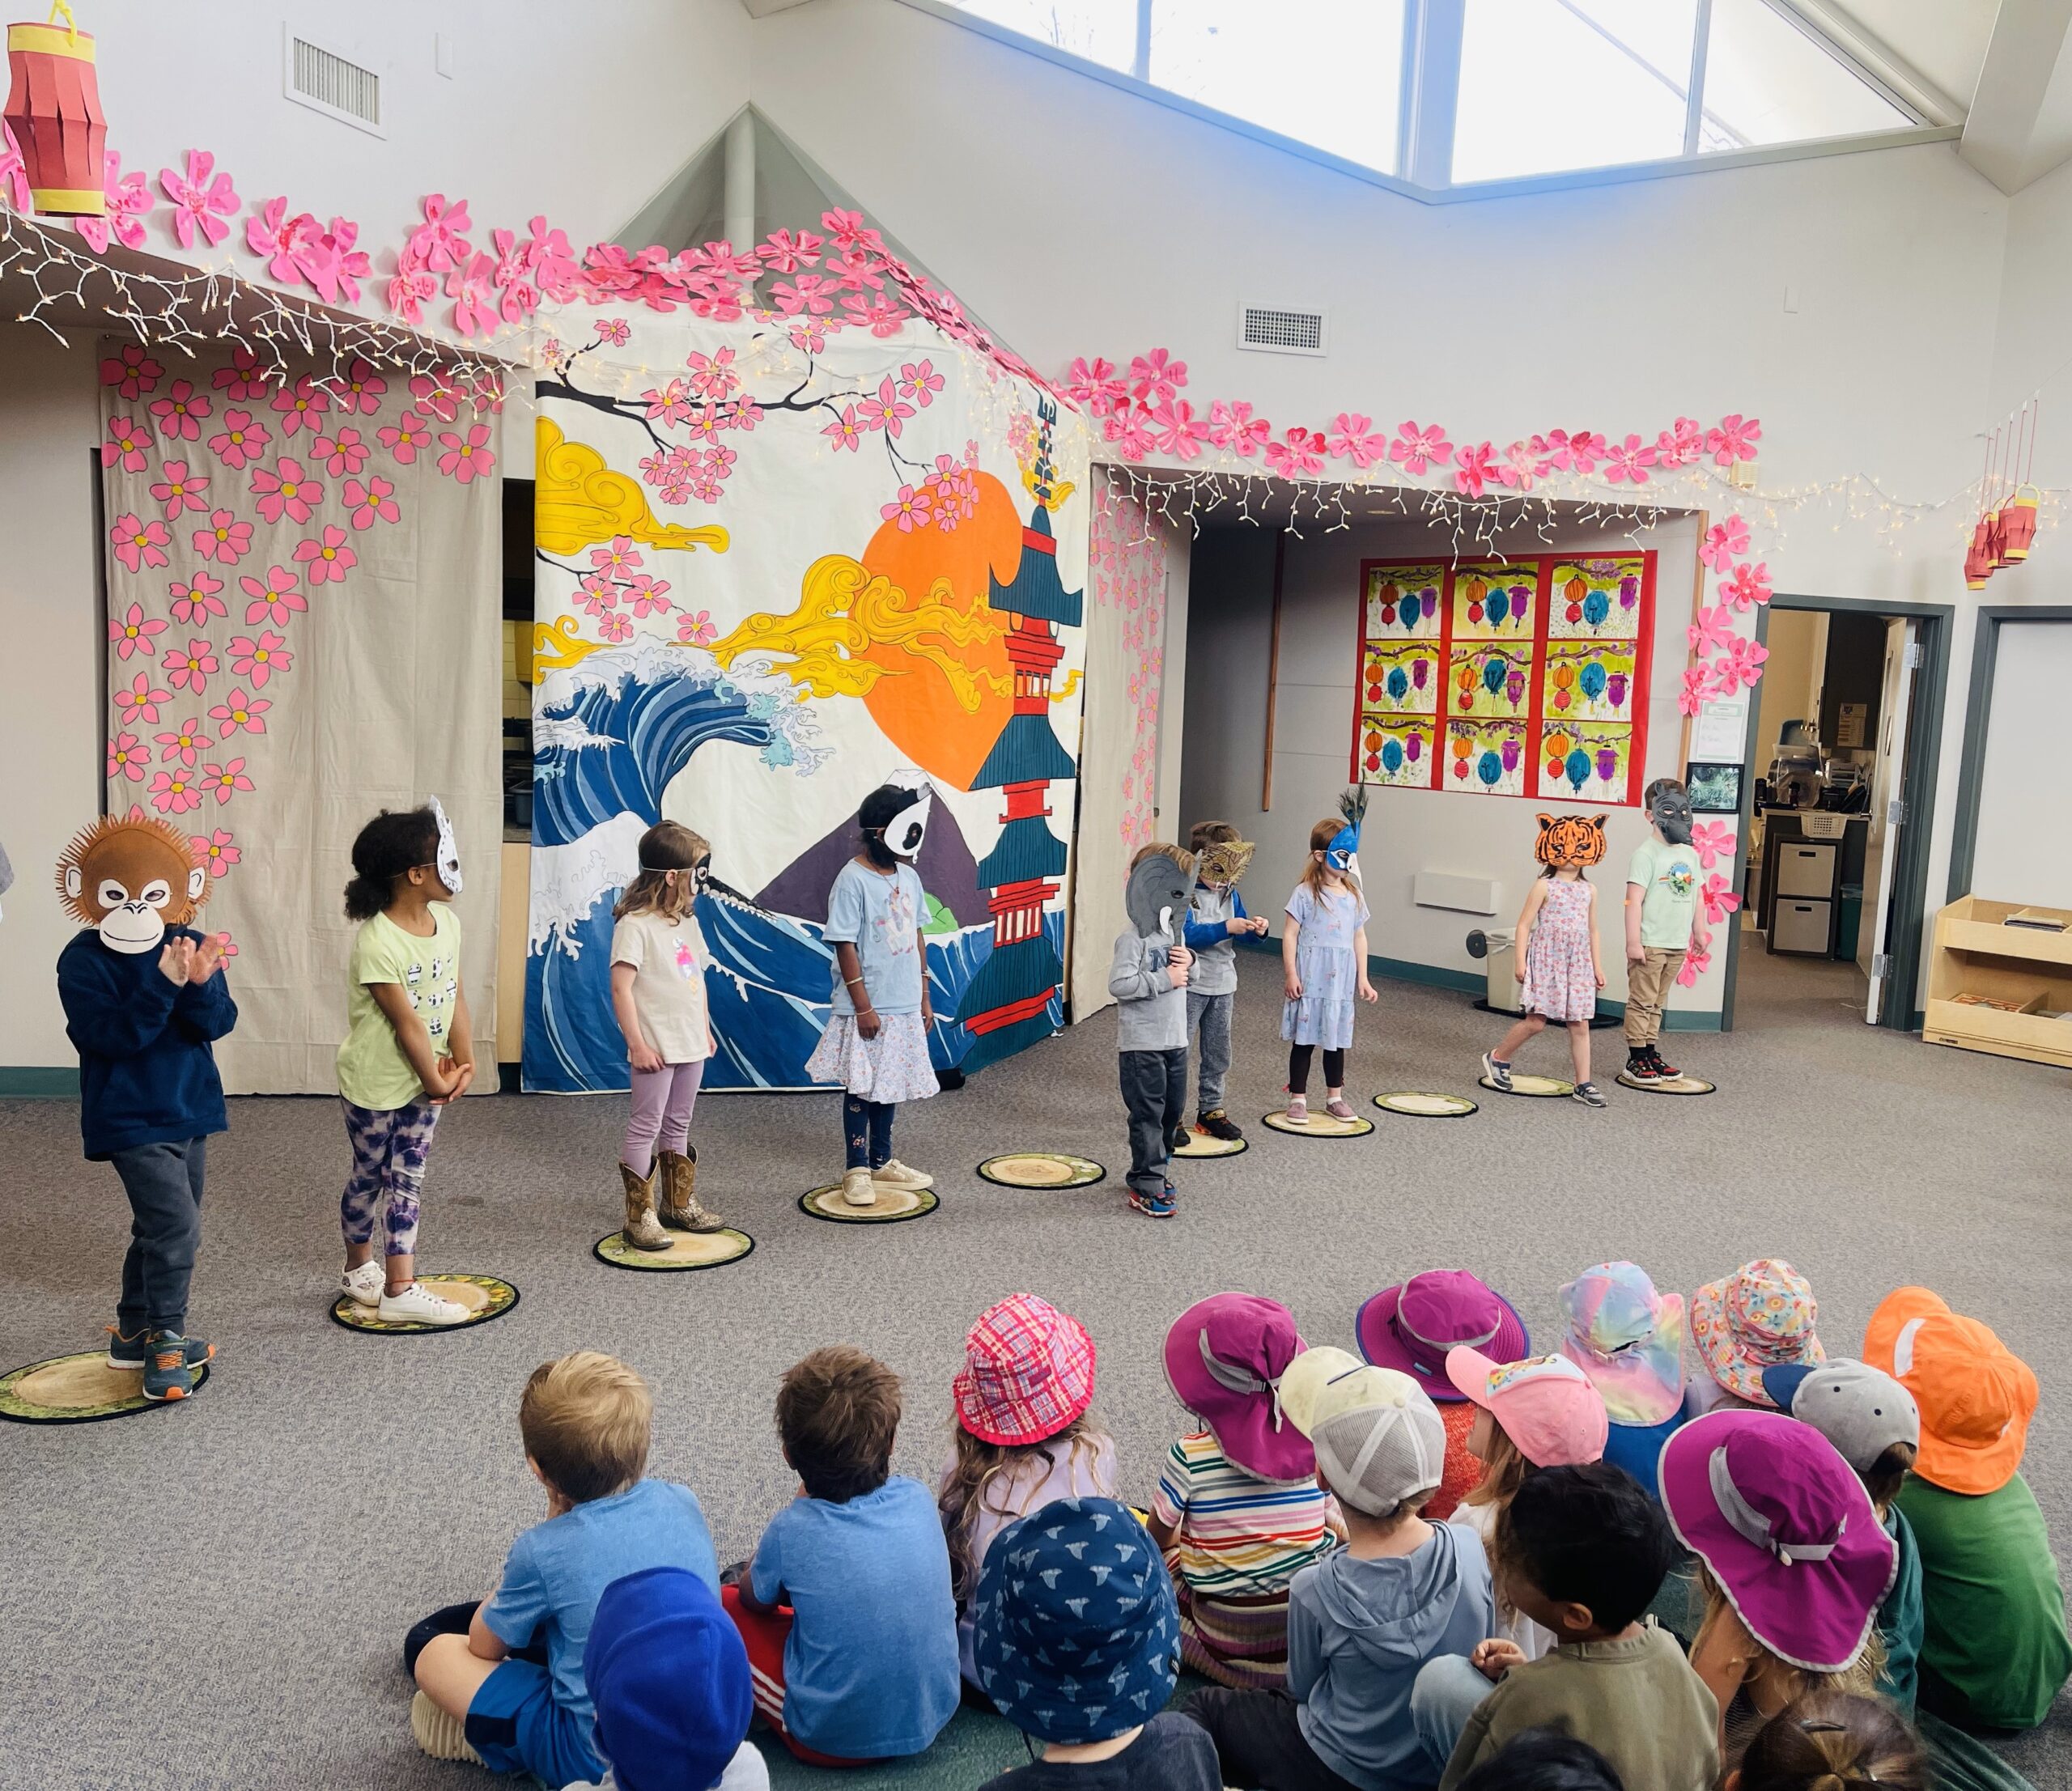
point(641, 1230)
point(679, 1210)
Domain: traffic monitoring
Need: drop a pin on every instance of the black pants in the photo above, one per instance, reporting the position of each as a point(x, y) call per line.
point(1298, 1068)
point(1259, 1743)
point(867, 1130)
point(453, 1619)
point(1155, 1092)
point(163, 1182)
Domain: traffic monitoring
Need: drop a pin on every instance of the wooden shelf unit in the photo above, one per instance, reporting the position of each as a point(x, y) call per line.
point(1974, 953)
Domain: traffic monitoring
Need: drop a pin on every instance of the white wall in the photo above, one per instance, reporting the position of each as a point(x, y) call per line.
point(2024, 852)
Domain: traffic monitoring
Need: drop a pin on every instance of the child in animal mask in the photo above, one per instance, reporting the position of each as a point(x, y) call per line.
point(409, 1050)
point(1662, 924)
point(1147, 977)
point(1216, 921)
point(1323, 960)
point(1557, 959)
point(876, 1041)
point(145, 999)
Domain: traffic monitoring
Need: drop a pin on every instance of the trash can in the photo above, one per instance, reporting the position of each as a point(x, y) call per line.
point(1850, 921)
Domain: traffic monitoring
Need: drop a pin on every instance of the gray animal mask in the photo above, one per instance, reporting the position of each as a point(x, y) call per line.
point(1672, 814)
point(1157, 892)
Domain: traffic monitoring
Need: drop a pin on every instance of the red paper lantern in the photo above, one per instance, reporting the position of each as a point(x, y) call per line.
point(54, 108)
point(2017, 525)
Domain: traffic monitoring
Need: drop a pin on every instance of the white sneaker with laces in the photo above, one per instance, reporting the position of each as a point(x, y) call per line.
point(858, 1189)
point(364, 1284)
point(418, 1304)
point(895, 1174)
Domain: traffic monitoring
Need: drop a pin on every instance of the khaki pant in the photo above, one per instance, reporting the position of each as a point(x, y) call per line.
point(1648, 984)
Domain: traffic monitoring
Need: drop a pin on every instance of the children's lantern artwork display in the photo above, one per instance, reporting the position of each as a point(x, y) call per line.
point(1529, 676)
point(54, 108)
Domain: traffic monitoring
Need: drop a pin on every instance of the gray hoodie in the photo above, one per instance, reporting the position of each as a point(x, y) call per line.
point(1151, 1014)
point(1358, 1632)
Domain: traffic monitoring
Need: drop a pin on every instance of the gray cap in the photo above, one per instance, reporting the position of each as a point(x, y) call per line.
point(1862, 1411)
point(1379, 1437)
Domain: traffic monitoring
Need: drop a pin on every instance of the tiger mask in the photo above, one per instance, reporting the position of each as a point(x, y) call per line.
point(1570, 839)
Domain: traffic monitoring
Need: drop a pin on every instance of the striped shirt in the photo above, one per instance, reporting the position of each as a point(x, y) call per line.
point(1238, 1536)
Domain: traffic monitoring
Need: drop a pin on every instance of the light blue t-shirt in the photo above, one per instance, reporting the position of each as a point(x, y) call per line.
point(879, 916)
point(557, 1570)
point(870, 1670)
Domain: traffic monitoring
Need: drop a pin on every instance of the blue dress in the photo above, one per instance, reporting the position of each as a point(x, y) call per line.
point(1328, 966)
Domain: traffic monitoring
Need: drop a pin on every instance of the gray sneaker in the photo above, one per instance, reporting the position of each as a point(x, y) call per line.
point(1586, 1093)
point(1498, 1073)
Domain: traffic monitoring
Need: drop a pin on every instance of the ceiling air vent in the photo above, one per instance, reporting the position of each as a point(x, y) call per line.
point(1280, 330)
point(328, 83)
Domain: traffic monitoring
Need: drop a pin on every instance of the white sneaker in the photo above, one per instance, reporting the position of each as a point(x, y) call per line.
point(418, 1304)
point(895, 1174)
point(363, 1285)
point(858, 1189)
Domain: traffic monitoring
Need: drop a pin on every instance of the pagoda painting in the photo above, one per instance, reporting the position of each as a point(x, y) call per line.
point(1006, 1006)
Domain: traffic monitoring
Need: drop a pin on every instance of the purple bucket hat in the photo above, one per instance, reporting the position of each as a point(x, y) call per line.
point(1785, 1527)
point(1225, 1357)
point(1410, 1328)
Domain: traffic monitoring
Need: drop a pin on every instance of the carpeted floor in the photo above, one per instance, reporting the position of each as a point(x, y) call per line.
point(215, 1595)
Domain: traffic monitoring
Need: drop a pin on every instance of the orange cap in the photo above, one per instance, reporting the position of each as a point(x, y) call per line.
point(1976, 1396)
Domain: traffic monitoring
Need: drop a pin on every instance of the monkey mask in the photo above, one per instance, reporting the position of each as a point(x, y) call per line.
point(1157, 890)
point(131, 877)
point(1570, 839)
point(1220, 864)
point(1670, 811)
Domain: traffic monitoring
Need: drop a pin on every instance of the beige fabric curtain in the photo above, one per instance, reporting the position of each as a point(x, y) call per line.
point(377, 655)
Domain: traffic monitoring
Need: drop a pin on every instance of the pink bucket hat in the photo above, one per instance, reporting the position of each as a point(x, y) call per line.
point(1545, 1404)
point(1225, 1357)
point(1410, 1328)
point(1761, 1316)
point(1027, 1372)
point(1787, 1530)
point(1628, 1339)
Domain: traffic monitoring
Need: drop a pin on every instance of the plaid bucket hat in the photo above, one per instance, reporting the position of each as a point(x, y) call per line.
point(1027, 1372)
point(1759, 1317)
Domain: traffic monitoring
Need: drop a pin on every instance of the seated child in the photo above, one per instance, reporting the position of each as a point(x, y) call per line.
point(1410, 1328)
point(1362, 1621)
point(585, 1422)
point(1759, 1317)
point(1238, 1513)
point(669, 1678)
point(1543, 1759)
point(845, 1610)
point(1024, 1436)
point(1994, 1648)
point(1832, 1739)
point(1581, 1550)
point(1872, 1423)
point(1541, 1412)
point(1794, 1564)
point(1078, 1645)
point(1628, 1339)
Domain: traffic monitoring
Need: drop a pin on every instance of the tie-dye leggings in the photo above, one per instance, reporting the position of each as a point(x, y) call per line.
point(390, 1147)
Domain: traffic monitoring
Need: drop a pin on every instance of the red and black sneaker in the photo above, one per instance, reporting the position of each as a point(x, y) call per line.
point(1640, 1066)
point(1664, 1072)
point(1219, 1124)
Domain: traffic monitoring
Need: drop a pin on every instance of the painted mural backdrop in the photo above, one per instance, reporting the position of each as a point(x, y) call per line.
point(780, 562)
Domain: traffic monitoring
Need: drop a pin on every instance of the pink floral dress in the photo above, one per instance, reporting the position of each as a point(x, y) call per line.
point(1560, 980)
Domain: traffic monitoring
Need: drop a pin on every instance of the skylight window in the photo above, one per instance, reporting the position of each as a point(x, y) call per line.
point(1768, 82)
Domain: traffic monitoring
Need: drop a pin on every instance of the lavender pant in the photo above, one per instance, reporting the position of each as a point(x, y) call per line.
point(662, 1103)
point(390, 1148)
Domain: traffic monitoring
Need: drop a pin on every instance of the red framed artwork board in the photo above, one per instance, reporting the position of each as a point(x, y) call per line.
point(1520, 674)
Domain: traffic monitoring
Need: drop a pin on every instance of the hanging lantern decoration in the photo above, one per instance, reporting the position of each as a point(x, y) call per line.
point(1615, 688)
point(1510, 756)
point(54, 108)
point(1521, 602)
point(1398, 685)
point(2017, 525)
point(1979, 560)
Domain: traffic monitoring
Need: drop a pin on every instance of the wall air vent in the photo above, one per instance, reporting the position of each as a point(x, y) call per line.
point(1280, 330)
point(328, 83)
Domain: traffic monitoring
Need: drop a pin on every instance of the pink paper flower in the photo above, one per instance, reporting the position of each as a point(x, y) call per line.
point(191, 669)
point(472, 286)
point(1697, 688)
point(185, 743)
point(215, 851)
point(1742, 663)
point(223, 538)
point(180, 412)
point(286, 490)
point(129, 201)
point(301, 405)
point(1719, 898)
point(846, 431)
point(1130, 432)
point(615, 330)
point(414, 287)
point(178, 490)
point(129, 442)
point(887, 410)
point(327, 557)
point(259, 660)
point(1418, 450)
point(879, 313)
point(240, 441)
point(244, 381)
point(362, 391)
point(1301, 456)
point(375, 498)
point(139, 701)
point(274, 598)
point(1473, 468)
point(1180, 433)
point(1724, 542)
point(441, 241)
point(1155, 377)
point(1713, 630)
point(132, 372)
point(193, 604)
point(1234, 425)
point(783, 253)
point(809, 293)
point(846, 229)
point(1552, 453)
point(1517, 469)
point(173, 792)
point(1682, 444)
point(911, 509)
point(648, 594)
point(139, 544)
point(225, 780)
point(696, 630)
point(614, 627)
point(1750, 584)
point(199, 201)
point(238, 710)
point(407, 438)
point(1629, 460)
point(126, 758)
point(1713, 840)
point(1096, 385)
point(344, 453)
point(1695, 963)
point(1734, 440)
point(1355, 438)
point(465, 461)
point(15, 172)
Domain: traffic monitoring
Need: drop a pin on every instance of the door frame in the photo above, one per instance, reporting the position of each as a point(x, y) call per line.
point(1978, 714)
point(1920, 758)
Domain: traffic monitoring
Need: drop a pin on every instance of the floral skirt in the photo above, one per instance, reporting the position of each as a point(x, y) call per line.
point(892, 1067)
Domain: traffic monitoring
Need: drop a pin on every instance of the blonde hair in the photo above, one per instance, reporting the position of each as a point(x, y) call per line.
point(586, 1420)
point(667, 848)
point(1832, 1741)
point(977, 1466)
point(1504, 1469)
point(1780, 1676)
point(1315, 868)
point(1164, 848)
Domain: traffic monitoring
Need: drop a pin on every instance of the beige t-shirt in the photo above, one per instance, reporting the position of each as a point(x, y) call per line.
point(668, 959)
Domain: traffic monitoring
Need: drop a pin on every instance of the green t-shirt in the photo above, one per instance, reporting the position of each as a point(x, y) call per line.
point(372, 1070)
point(1993, 1649)
point(1899, 1621)
point(1668, 877)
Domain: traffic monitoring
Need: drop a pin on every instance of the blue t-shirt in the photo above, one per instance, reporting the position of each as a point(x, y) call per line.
point(557, 1570)
point(879, 916)
point(870, 1670)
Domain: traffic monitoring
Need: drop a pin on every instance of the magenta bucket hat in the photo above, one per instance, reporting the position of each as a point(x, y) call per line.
point(1786, 1529)
point(1410, 1328)
point(1225, 1357)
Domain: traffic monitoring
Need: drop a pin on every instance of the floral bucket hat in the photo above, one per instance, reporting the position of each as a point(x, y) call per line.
point(1759, 1317)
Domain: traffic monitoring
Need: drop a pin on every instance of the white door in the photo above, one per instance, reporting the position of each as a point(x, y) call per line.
point(1903, 654)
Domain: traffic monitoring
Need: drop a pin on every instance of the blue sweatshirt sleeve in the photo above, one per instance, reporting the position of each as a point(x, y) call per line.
point(1238, 906)
point(205, 1012)
point(103, 1018)
point(1198, 935)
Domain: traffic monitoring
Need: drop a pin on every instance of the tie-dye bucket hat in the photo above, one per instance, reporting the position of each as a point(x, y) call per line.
point(1628, 1339)
point(1759, 1317)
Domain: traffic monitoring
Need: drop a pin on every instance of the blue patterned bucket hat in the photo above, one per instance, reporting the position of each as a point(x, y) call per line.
point(1078, 1630)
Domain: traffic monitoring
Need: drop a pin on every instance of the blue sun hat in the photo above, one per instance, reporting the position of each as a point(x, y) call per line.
point(1078, 1630)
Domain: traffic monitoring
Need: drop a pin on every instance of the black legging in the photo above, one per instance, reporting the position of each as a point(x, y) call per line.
point(1298, 1068)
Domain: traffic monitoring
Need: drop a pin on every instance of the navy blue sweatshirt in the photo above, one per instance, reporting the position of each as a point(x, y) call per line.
point(147, 1073)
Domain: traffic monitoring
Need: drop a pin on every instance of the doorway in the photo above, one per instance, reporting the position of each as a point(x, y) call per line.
point(1842, 769)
